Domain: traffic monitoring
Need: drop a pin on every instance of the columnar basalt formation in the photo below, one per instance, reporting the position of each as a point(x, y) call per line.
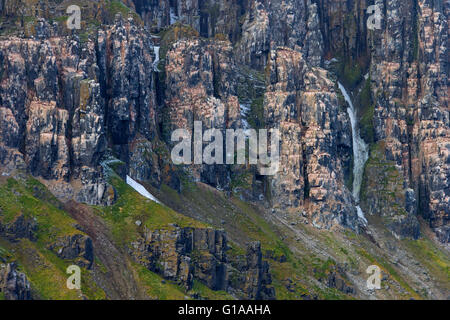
point(187, 254)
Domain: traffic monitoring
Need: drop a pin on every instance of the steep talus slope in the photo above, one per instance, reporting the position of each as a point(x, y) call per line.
point(82, 109)
point(119, 281)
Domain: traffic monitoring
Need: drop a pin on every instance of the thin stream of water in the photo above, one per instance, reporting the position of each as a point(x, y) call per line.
point(360, 151)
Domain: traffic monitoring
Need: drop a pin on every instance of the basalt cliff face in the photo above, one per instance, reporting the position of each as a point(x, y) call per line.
point(80, 110)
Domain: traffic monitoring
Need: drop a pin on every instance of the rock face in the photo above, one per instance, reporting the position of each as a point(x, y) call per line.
point(301, 101)
point(77, 247)
point(409, 78)
point(19, 228)
point(209, 95)
point(14, 285)
point(208, 17)
point(185, 254)
point(384, 188)
point(209, 258)
point(74, 102)
point(45, 126)
point(254, 25)
point(336, 280)
point(251, 275)
point(69, 100)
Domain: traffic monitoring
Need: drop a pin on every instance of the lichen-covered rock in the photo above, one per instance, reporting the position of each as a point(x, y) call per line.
point(73, 99)
point(208, 94)
point(336, 279)
point(126, 58)
point(383, 194)
point(254, 45)
point(185, 254)
point(70, 99)
point(208, 17)
point(209, 258)
point(45, 115)
point(270, 24)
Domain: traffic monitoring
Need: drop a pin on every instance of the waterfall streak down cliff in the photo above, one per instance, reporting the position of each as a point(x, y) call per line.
point(360, 151)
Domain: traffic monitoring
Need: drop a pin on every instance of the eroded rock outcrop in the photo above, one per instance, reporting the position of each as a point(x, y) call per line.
point(181, 254)
point(269, 24)
point(20, 227)
point(250, 275)
point(208, 95)
point(45, 115)
point(77, 247)
point(14, 285)
point(185, 254)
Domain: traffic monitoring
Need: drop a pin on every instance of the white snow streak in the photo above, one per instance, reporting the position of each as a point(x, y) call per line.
point(141, 189)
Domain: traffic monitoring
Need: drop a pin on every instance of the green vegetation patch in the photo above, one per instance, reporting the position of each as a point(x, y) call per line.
point(45, 271)
point(430, 256)
point(115, 6)
point(202, 291)
point(366, 109)
point(156, 287)
point(32, 199)
point(131, 207)
point(173, 34)
point(386, 267)
point(255, 117)
point(383, 181)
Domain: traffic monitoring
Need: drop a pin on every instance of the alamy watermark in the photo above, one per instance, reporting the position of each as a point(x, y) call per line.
point(374, 281)
point(74, 20)
point(74, 281)
point(268, 162)
point(374, 20)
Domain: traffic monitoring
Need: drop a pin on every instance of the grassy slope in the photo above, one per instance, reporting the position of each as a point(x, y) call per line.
point(46, 272)
point(121, 218)
point(311, 254)
point(131, 207)
point(243, 223)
